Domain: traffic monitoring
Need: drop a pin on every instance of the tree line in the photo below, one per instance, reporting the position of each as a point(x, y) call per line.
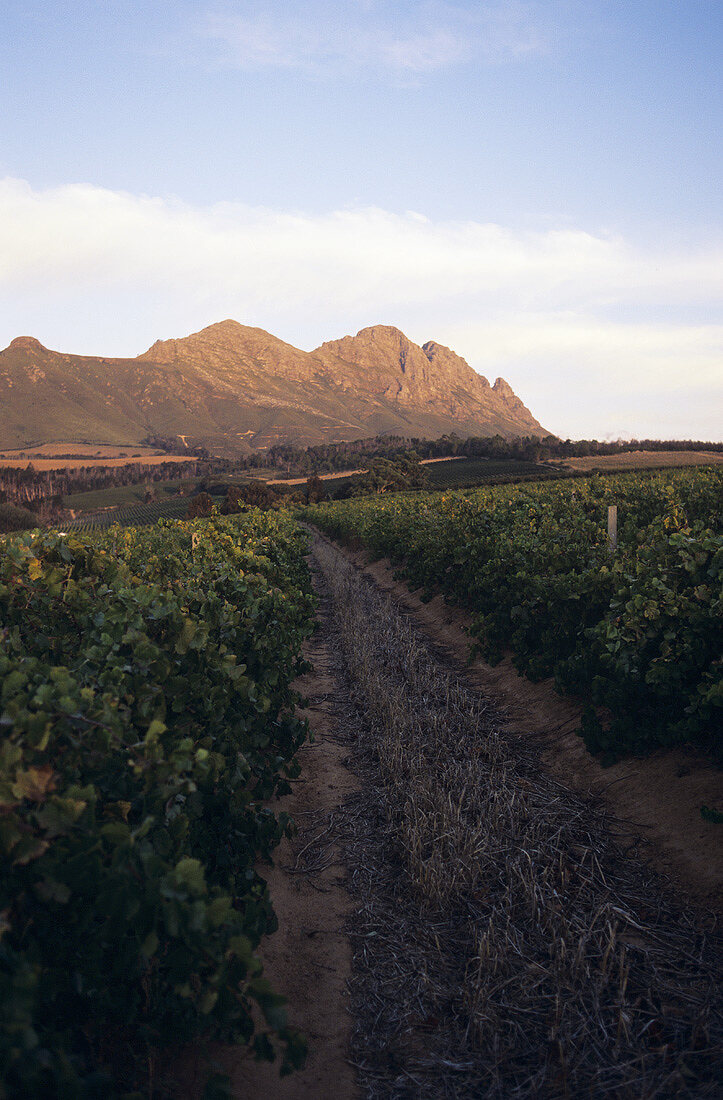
point(329, 457)
point(33, 488)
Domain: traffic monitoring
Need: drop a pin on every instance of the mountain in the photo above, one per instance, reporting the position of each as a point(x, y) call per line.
point(233, 388)
point(432, 378)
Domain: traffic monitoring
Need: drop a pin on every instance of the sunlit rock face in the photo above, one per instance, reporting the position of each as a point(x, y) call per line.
point(232, 388)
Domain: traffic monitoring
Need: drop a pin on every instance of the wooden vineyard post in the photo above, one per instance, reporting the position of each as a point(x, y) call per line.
point(613, 526)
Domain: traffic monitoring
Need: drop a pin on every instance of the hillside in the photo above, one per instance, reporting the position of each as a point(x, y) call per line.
point(232, 388)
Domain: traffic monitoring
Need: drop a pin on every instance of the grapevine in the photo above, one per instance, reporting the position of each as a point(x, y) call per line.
point(148, 722)
point(636, 632)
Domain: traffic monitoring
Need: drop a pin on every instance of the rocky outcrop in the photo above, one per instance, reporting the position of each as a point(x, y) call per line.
point(26, 343)
point(382, 361)
point(454, 366)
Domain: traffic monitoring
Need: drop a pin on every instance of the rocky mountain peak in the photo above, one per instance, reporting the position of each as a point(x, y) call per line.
point(385, 363)
point(227, 335)
point(229, 350)
point(382, 360)
point(25, 343)
point(508, 398)
point(381, 334)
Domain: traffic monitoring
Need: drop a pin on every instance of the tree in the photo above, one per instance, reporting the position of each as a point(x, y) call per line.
point(248, 494)
point(199, 506)
point(315, 490)
point(386, 475)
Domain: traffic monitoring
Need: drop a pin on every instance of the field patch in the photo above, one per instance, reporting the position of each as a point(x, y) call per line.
point(134, 458)
point(81, 450)
point(643, 460)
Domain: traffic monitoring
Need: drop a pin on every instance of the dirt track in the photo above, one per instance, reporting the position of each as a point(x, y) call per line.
point(309, 958)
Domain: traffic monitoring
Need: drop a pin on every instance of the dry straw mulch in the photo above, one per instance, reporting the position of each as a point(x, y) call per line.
point(505, 945)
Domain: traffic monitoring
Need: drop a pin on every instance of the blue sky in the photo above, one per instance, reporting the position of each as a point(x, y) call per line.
point(537, 184)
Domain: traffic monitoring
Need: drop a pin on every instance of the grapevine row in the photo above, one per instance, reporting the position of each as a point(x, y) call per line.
point(637, 633)
point(148, 720)
point(131, 515)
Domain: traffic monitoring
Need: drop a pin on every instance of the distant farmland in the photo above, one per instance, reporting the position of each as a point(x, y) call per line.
point(81, 450)
point(76, 463)
point(641, 460)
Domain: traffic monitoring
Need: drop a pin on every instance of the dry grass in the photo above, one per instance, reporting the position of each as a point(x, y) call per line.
point(80, 450)
point(77, 463)
point(644, 460)
point(505, 947)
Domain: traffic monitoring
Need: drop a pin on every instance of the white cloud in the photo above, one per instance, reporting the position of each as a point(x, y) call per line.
point(407, 38)
point(87, 269)
point(586, 378)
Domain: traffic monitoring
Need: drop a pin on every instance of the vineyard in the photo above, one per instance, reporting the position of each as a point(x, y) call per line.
point(151, 722)
point(636, 632)
point(148, 722)
point(464, 472)
point(132, 515)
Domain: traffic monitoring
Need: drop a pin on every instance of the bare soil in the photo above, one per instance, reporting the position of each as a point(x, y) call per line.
point(656, 800)
point(309, 958)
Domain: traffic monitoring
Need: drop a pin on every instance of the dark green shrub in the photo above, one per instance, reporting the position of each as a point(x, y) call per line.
point(14, 518)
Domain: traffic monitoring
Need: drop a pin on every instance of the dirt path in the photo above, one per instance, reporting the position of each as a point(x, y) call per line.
point(308, 959)
point(659, 796)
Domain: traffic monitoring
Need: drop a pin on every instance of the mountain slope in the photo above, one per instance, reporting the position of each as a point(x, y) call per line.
point(234, 388)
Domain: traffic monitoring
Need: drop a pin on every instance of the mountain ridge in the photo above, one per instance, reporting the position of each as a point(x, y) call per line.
point(232, 388)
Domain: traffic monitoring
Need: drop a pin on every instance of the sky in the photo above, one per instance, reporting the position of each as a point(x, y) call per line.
point(535, 184)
